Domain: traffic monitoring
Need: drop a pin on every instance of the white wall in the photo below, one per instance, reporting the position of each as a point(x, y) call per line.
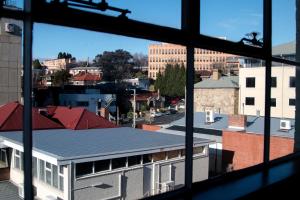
point(282, 92)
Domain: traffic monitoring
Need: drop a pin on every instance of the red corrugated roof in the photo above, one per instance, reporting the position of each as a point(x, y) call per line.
point(11, 118)
point(80, 118)
point(85, 76)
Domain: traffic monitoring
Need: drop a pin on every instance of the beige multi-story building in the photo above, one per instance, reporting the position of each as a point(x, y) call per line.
point(57, 64)
point(219, 94)
point(252, 91)
point(10, 60)
point(164, 53)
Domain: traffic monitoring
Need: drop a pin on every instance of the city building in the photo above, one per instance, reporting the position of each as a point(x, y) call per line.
point(53, 65)
point(86, 78)
point(91, 99)
point(10, 60)
point(91, 70)
point(100, 164)
point(142, 83)
point(252, 91)
point(164, 53)
point(238, 139)
point(219, 94)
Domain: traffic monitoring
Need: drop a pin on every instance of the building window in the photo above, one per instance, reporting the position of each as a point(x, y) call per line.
point(55, 176)
point(42, 170)
point(273, 102)
point(18, 159)
point(84, 168)
point(48, 173)
point(292, 102)
point(61, 178)
point(3, 158)
point(198, 150)
point(134, 160)
point(250, 101)
point(250, 82)
point(147, 158)
point(34, 167)
point(118, 163)
point(159, 156)
point(102, 165)
point(274, 82)
point(292, 81)
point(173, 154)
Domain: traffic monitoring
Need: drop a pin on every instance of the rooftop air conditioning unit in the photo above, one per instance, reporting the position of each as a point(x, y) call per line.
point(21, 191)
point(285, 124)
point(9, 28)
point(209, 116)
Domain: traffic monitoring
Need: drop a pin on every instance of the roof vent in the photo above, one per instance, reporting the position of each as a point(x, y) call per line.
point(285, 125)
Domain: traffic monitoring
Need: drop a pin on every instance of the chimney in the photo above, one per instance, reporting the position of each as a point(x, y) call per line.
point(216, 74)
point(237, 122)
point(104, 113)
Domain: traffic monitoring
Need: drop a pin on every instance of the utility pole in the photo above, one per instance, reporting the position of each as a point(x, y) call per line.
point(134, 105)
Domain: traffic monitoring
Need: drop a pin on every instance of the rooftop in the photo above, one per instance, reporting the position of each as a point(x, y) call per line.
point(8, 191)
point(85, 76)
point(86, 68)
point(96, 144)
point(285, 49)
point(223, 82)
point(254, 125)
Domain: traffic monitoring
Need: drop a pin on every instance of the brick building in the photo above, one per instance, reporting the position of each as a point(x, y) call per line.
point(164, 53)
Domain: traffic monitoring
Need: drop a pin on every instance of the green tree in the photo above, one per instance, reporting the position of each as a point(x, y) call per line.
point(36, 64)
point(172, 82)
point(116, 65)
point(64, 55)
point(61, 77)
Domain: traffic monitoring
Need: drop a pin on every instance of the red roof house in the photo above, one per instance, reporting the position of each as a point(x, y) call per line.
point(85, 78)
point(11, 118)
point(80, 118)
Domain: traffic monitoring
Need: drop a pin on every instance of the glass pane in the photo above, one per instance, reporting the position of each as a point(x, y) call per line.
point(283, 109)
point(42, 170)
point(92, 119)
point(61, 183)
point(166, 13)
point(102, 165)
point(48, 177)
point(284, 29)
point(55, 176)
point(34, 167)
point(232, 19)
point(13, 4)
point(228, 110)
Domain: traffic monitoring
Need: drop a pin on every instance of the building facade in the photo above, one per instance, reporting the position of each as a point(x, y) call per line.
point(10, 60)
point(154, 164)
point(91, 70)
point(57, 64)
point(252, 91)
point(164, 53)
point(219, 94)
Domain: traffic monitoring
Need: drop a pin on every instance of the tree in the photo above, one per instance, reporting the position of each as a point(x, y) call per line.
point(61, 77)
point(139, 60)
point(65, 55)
point(172, 82)
point(36, 64)
point(116, 65)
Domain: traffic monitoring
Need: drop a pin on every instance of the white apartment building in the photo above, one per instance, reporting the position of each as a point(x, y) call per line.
point(252, 91)
point(92, 70)
point(100, 164)
point(57, 64)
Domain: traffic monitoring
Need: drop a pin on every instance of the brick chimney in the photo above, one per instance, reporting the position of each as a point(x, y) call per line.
point(237, 122)
point(104, 113)
point(216, 75)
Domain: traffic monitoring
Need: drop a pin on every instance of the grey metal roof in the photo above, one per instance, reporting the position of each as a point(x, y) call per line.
point(8, 191)
point(65, 144)
point(85, 68)
point(285, 49)
point(254, 124)
point(223, 82)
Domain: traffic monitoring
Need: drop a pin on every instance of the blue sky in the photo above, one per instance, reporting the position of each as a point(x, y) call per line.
point(219, 18)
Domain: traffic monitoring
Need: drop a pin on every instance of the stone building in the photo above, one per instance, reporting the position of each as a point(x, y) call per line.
point(219, 93)
point(10, 60)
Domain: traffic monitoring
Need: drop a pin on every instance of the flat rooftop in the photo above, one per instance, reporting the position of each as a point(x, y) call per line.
point(255, 125)
point(97, 144)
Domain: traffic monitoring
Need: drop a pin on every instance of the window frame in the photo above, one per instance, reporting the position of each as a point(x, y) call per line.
point(190, 26)
point(250, 84)
point(249, 99)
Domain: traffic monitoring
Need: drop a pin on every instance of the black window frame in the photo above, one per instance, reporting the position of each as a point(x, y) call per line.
point(292, 82)
point(190, 18)
point(292, 102)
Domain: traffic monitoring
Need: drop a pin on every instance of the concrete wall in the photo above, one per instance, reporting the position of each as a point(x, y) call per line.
point(138, 182)
point(10, 63)
point(247, 148)
point(225, 101)
point(282, 92)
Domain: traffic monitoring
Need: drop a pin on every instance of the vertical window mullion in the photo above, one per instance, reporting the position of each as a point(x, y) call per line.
point(268, 48)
